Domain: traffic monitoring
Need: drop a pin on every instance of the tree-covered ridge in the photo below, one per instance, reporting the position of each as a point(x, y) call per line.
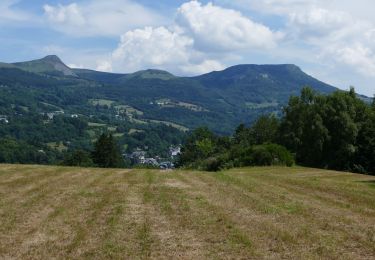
point(226, 98)
point(335, 131)
point(55, 112)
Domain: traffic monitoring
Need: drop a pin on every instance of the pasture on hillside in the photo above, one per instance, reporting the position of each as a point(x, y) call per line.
point(251, 213)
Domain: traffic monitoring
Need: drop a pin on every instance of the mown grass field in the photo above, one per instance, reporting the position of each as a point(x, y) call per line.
point(257, 213)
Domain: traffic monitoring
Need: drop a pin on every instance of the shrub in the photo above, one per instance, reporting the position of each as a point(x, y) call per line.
point(212, 164)
point(271, 154)
point(78, 158)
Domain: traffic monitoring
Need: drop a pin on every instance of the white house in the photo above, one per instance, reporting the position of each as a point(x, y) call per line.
point(4, 119)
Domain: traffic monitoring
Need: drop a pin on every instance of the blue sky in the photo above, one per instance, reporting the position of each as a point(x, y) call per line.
point(331, 40)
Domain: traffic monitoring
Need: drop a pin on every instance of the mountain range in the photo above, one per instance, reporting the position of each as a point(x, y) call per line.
point(220, 99)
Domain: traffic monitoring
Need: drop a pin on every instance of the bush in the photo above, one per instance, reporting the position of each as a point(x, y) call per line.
point(78, 158)
point(212, 164)
point(271, 154)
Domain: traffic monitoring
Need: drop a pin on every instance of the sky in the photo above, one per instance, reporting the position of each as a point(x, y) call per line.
point(333, 41)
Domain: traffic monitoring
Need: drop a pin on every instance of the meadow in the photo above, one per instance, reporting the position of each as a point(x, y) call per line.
point(250, 213)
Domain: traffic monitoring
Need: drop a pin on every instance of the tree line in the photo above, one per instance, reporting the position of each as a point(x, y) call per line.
point(106, 154)
point(335, 131)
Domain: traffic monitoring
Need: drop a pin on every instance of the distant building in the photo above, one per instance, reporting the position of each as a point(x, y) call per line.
point(151, 161)
point(175, 151)
point(166, 165)
point(51, 115)
point(138, 157)
point(4, 119)
point(74, 116)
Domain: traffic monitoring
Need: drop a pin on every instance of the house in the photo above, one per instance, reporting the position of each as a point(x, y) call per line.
point(138, 157)
point(4, 119)
point(51, 115)
point(74, 116)
point(151, 161)
point(175, 151)
point(166, 165)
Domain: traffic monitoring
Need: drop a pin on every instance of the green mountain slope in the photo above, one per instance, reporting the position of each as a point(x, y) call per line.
point(220, 100)
point(48, 65)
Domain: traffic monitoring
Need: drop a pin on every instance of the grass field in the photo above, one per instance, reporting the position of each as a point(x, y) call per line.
point(257, 213)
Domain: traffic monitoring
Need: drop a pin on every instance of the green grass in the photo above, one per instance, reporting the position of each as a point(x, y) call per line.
point(91, 124)
point(167, 103)
point(177, 126)
point(101, 102)
point(128, 110)
point(250, 213)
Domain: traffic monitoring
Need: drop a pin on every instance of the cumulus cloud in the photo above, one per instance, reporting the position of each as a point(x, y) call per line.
point(318, 22)
point(358, 56)
point(217, 28)
point(104, 66)
point(155, 46)
point(196, 42)
point(100, 18)
point(159, 48)
point(336, 36)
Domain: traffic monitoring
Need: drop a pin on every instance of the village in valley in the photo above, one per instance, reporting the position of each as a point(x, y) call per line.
point(139, 157)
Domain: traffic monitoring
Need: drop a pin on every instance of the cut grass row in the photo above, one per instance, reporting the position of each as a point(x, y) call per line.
point(57, 212)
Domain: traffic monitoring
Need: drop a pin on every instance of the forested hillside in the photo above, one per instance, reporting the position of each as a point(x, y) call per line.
point(335, 131)
point(51, 109)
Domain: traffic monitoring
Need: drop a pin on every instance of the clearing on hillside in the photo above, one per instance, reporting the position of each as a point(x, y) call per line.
point(253, 213)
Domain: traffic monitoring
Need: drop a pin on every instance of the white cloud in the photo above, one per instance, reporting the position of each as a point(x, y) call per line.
point(359, 57)
point(8, 13)
point(318, 22)
point(100, 18)
point(104, 66)
point(338, 37)
point(199, 39)
point(69, 15)
point(217, 28)
point(75, 66)
point(159, 48)
point(155, 46)
point(204, 67)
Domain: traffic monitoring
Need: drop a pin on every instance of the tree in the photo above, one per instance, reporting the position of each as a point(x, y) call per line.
point(106, 154)
point(365, 156)
point(78, 158)
point(199, 145)
point(334, 131)
point(265, 129)
point(241, 134)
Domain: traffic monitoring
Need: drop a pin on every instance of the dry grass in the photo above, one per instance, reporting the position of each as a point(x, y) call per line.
point(257, 213)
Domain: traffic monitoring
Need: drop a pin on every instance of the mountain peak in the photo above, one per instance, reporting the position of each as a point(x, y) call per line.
point(280, 76)
point(50, 64)
point(52, 58)
point(152, 74)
